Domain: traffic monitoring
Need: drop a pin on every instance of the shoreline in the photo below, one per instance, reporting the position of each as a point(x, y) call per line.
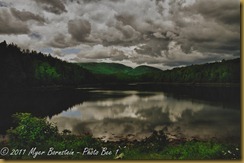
point(97, 86)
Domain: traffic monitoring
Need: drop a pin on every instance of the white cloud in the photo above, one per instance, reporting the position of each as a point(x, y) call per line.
point(150, 27)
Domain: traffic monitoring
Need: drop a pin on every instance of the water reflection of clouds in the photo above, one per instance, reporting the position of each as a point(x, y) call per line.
point(140, 115)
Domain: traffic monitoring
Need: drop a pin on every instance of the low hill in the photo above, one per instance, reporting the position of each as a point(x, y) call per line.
point(24, 68)
point(225, 71)
point(105, 68)
point(120, 73)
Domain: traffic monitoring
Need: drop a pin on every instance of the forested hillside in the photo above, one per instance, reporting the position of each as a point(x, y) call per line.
point(24, 68)
point(226, 71)
point(114, 72)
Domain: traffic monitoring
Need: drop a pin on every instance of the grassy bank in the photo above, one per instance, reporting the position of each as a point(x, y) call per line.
point(36, 138)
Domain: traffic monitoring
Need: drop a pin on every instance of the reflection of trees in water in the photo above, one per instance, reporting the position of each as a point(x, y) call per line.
point(214, 94)
point(226, 96)
point(142, 116)
point(42, 102)
point(136, 117)
point(39, 103)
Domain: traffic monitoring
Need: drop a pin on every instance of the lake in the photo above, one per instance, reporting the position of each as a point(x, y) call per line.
point(133, 111)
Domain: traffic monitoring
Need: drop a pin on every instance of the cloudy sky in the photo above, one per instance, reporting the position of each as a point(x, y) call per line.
point(159, 33)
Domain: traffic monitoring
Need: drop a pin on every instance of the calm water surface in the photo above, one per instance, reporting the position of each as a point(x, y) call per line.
point(133, 112)
point(138, 114)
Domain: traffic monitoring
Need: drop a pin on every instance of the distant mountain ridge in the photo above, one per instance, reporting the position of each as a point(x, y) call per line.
point(121, 73)
point(226, 71)
point(24, 68)
point(105, 68)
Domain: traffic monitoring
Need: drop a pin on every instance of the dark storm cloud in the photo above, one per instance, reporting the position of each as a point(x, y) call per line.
point(144, 17)
point(155, 44)
point(122, 22)
point(26, 15)
point(211, 26)
point(95, 1)
point(124, 35)
point(54, 6)
point(61, 41)
point(10, 25)
point(166, 32)
point(128, 32)
point(3, 4)
point(79, 29)
point(226, 11)
point(126, 19)
point(117, 55)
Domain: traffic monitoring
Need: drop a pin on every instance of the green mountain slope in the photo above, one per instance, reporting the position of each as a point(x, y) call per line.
point(226, 71)
point(146, 73)
point(121, 73)
point(105, 68)
point(24, 68)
